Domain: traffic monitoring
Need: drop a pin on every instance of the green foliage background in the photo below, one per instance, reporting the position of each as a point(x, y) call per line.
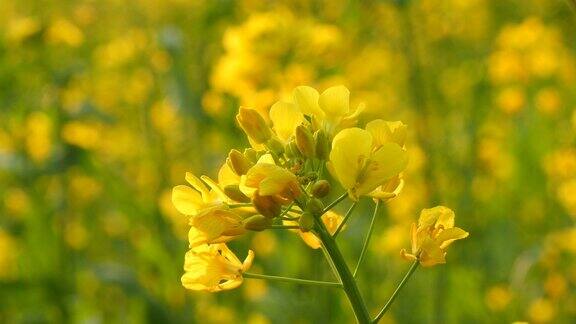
point(105, 104)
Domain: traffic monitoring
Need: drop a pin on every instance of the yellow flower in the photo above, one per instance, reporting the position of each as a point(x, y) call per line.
point(329, 110)
point(270, 180)
point(191, 201)
point(362, 161)
point(215, 226)
point(214, 268)
point(432, 236)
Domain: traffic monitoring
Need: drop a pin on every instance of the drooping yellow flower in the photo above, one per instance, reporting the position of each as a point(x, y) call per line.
point(214, 268)
point(329, 110)
point(432, 236)
point(193, 200)
point(215, 226)
point(362, 162)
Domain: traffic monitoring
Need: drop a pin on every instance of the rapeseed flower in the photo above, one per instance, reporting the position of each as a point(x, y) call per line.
point(432, 236)
point(214, 268)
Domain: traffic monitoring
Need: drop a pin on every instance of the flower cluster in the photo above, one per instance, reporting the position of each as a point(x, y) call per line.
point(281, 180)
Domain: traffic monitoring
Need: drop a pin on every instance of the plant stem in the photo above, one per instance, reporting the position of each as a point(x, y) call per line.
point(348, 282)
point(395, 293)
point(283, 227)
point(292, 280)
point(367, 239)
point(348, 213)
point(335, 202)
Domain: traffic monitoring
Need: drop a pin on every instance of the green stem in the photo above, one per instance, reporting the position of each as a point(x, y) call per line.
point(330, 262)
point(395, 293)
point(367, 239)
point(348, 282)
point(335, 202)
point(281, 227)
point(240, 205)
point(292, 280)
point(348, 213)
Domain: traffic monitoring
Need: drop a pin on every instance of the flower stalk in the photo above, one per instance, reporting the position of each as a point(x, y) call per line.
point(412, 269)
point(348, 282)
point(292, 280)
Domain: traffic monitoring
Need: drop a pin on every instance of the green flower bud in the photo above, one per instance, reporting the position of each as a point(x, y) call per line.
point(315, 206)
point(233, 192)
point(253, 125)
point(275, 146)
point(238, 162)
point(321, 188)
point(292, 150)
point(251, 155)
point(305, 141)
point(266, 205)
point(306, 222)
point(322, 145)
point(257, 223)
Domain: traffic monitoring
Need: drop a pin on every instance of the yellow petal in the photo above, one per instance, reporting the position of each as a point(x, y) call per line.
point(350, 150)
point(306, 98)
point(285, 117)
point(335, 101)
point(388, 161)
point(447, 236)
point(438, 215)
point(198, 185)
point(247, 264)
point(431, 254)
point(227, 177)
point(387, 132)
point(186, 200)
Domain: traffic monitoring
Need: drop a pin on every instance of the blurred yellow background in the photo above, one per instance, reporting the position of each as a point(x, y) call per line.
point(105, 104)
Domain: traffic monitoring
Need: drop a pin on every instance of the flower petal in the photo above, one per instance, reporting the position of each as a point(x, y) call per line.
point(285, 117)
point(335, 102)
point(350, 150)
point(447, 236)
point(389, 160)
point(306, 98)
point(186, 200)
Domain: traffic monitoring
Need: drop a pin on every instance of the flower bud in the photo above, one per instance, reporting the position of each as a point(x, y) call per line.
point(253, 125)
point(275, 146)
point(266, 205)
point(238, 162)
point(257, 223)
point(251, 155)
point(305, 141)
point(306, 221)
point(292, 150)
point(322, 145)
point(315, 207)
point(233, 192)
point(321, 188)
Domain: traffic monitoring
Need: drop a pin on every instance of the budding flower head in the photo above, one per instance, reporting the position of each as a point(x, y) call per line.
point(253, 125)
point(305, 141)
point(266, 205)
point(321, 188)
point(239, 163)
point(306, 221)
point(322, 144)
point(257, 223)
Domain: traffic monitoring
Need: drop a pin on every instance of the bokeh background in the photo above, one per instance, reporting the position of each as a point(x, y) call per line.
point(105, 104)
